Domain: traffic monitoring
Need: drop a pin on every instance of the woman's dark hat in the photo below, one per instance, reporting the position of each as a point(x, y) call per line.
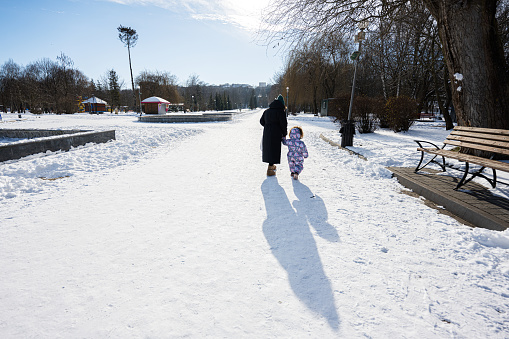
point(280, 98)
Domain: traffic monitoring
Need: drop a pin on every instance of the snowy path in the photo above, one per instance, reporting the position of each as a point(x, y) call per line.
point(198, 242)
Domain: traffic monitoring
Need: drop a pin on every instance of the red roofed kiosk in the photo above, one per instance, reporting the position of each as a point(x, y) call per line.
point(95, 105)
point(155, 105)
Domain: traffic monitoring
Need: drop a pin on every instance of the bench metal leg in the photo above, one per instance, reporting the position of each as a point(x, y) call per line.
point(462, 181)
point(419, 167)
point(478, 173)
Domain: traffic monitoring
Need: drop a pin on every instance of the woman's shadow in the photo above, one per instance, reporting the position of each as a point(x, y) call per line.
point(291, 241)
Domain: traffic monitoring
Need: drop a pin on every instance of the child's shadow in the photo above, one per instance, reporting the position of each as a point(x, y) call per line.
point(293, 245)
point(311, 207)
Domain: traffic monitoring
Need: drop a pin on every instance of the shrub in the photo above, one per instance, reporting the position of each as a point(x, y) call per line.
point(380, 112)
point(401, 113)
point(363, 111)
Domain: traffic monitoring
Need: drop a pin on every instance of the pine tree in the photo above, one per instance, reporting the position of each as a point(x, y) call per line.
point(129, 37)
point(225, 102)
point(114, 89)
point(229, 102)
point(252, 101)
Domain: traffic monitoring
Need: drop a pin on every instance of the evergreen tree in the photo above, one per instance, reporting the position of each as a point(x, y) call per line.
point(225, 101)
point(252, 101)
point(114, 89)
point(219, 103)
point(229, 107)
point(211, 102)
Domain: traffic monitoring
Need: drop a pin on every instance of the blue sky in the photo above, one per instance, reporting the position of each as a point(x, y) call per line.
point(214, 39)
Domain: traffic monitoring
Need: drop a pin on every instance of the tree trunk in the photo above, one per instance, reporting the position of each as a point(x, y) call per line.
point(383, 73)
point(443, 108)
point(475, 60)
point(447, 117)
point(132, 79)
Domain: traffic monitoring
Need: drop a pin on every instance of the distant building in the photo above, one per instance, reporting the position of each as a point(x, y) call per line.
point(327, 106)
point(241, 86)
point(155, 105)
point(235, 86)
point(95, 105)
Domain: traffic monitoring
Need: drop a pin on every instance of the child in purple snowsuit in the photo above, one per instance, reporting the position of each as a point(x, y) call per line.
point(297, 151)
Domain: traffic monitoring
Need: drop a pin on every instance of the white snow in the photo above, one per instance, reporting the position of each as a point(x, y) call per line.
point(156, 100)
point(174, 230)
point(458, 76)
point(94, 100)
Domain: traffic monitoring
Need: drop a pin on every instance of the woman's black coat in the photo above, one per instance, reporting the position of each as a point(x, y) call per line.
point(274, 125)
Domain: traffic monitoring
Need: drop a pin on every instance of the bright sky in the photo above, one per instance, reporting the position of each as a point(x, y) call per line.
point(214, 39)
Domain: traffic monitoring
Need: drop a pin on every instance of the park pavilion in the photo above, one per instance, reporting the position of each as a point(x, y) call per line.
point(155, 105)
point(95, 105)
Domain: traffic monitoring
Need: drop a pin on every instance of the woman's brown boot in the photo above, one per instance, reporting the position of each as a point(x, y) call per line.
point(271, 170)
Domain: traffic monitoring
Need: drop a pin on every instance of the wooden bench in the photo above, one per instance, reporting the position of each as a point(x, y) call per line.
point(493, 142)
point(426, 116)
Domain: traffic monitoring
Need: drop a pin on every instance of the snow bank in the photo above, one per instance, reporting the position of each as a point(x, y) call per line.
point(134, 141)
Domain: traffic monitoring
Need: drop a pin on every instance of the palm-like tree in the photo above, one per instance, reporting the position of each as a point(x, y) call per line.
point(129, 37)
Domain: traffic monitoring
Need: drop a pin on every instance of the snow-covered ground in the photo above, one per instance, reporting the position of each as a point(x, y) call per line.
point(174, 230)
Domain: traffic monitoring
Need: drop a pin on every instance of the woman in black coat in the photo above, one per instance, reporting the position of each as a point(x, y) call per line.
point(274, 125)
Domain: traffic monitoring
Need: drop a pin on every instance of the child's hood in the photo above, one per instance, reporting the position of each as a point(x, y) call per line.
point(295, 133)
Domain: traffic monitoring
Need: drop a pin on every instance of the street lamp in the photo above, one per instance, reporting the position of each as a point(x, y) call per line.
point(139, 95)
point(287, 103)
point(348, 128)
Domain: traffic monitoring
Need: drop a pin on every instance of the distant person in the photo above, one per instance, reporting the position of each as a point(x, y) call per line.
point(274, 125)
point(297, 151)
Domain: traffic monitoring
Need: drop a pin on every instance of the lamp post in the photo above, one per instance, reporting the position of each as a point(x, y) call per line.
point(287, 103)
point(348, 128)
point(139, 95)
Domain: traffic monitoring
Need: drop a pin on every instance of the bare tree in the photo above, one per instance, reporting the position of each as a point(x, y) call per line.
point(161, 84)
point(44, 85)
point(49, 83)
point(10, 85)
point(129, 37)
point(67, 84)
point(32, 90)
point(469, 35)
point(194, 92)
point(315, 70)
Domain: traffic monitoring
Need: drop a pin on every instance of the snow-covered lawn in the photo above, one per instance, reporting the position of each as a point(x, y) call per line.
point(174, 230)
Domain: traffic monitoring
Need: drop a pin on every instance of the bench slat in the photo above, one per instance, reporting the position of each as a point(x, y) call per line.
point(498, 165)
point(495, 137)
point(477, 146)
point(484, 142)
point(482, 130)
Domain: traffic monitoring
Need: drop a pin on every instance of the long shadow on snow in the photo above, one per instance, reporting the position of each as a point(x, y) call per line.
point(312, 208)
point(293, 245)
